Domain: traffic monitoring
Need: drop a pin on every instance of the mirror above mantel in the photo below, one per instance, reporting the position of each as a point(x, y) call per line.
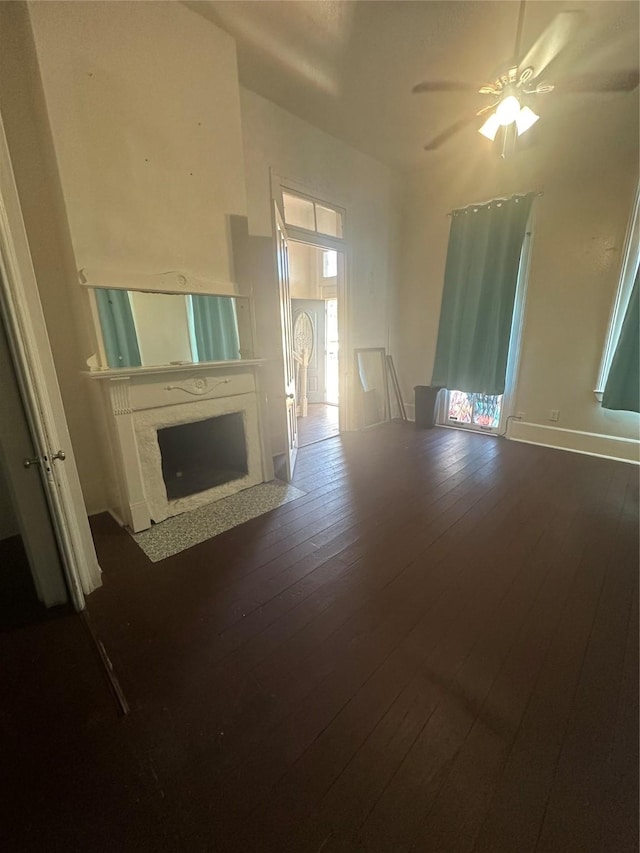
point(145, 328)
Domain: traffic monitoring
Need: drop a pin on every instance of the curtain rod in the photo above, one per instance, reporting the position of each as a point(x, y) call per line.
point(490, 201)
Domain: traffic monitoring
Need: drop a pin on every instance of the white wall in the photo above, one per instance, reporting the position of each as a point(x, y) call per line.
point(587, 166)
point(144, 110)
point(302, 275)
point(306, 273)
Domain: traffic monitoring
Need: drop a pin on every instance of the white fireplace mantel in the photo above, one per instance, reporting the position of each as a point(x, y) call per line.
point(140, 401)
point(182, 367)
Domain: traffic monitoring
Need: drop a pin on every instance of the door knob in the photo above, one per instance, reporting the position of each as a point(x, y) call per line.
point(61, 455)
point(291, 396)
point(27, 463)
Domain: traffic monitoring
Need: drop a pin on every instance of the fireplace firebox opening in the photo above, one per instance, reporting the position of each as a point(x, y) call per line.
point(203, 454)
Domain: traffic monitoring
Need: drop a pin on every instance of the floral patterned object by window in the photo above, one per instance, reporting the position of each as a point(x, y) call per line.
point(481, 410)
point(460, 407)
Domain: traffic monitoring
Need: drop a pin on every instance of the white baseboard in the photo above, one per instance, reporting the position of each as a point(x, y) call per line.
point(589, 443)
point(93, 511)
point(575, 441)
point(114, 515)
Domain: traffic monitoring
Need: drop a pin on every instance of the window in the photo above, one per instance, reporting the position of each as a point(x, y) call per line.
point(476, 410)
point(299, 211)
point(328, 221)
point(302, 212)
point(329, 264)
point(630, 261)
point(473, 288)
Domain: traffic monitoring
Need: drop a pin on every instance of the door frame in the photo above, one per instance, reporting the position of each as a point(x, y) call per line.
point(286, 334)
point(341, 246)
point(35, 371)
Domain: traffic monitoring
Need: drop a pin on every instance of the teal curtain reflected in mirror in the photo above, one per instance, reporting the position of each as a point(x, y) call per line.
point(118, 328)
point(150, 328)
point(215, 328)
point(622, 391)
point(481, 274)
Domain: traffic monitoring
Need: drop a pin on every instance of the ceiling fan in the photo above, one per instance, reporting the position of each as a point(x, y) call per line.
point(520, 82)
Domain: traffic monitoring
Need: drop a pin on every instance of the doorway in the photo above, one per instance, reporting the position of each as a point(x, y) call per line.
point(315, 277)
point(316, 230)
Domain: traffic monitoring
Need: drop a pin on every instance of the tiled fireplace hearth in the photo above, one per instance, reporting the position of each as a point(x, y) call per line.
point(182, 436)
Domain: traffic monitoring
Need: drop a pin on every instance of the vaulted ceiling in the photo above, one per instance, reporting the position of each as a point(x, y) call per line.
point(349, 67)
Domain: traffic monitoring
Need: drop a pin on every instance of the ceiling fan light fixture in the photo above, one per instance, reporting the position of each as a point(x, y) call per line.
point(508, 110)
point(525, 119)
point(490, 127)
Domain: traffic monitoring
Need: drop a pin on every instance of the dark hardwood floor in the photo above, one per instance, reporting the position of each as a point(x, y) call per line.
point(436, 649)
point(19, 604)
point(321, 422)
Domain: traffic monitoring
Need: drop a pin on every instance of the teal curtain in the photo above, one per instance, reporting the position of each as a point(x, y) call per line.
point(215, 326)
point(118, 329)
point(622, 390)
point(481, 273)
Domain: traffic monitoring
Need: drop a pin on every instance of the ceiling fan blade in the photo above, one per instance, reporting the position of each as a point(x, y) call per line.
point(444, 86)
point(556, 36)
point(450, 131)
point(488, 108)
point(606, 81)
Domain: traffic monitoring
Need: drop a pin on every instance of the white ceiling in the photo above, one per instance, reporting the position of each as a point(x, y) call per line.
point(348, 67)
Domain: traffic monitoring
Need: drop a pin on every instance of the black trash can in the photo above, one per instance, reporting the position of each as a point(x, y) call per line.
point(426, 397)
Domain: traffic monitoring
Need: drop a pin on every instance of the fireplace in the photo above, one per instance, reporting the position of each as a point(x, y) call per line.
point(182, 436)
point(203, 454)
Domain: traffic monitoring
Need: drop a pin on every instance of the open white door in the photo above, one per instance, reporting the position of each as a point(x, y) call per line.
point(23, 473)
point(282, 262)
point(35, 372)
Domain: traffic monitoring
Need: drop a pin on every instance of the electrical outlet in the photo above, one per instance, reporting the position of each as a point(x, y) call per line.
point(554, 415)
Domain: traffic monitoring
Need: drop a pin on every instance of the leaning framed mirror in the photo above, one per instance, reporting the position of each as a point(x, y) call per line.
point(371, 373)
